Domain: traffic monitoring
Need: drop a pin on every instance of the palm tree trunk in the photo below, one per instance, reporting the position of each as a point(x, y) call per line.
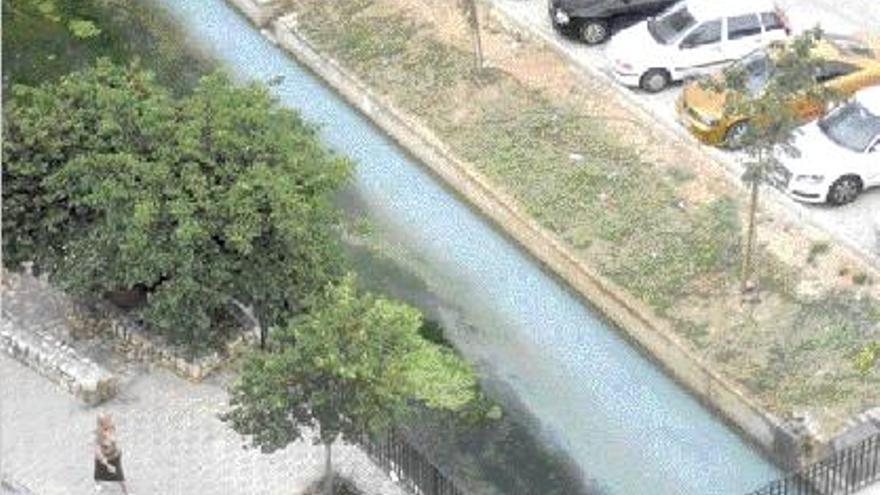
point(748, 251)
point(328, 469)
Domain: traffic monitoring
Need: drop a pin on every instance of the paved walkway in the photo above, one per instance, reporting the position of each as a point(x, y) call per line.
point(871, 490)
point(172, 440)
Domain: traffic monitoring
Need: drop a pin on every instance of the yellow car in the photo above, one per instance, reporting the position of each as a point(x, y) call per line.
point(849, 64)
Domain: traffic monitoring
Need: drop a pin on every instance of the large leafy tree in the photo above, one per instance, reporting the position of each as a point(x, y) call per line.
point(772, 116)
point(110, 183)
point(353, 366)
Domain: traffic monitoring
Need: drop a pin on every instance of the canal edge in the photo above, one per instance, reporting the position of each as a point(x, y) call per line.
point(784, 443)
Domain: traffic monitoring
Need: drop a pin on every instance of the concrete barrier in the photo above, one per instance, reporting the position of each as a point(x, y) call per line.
point(786, 442)
point(259, 11)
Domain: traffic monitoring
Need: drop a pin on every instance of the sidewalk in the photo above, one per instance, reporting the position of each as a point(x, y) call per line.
point(172, 441)
point(871, 490)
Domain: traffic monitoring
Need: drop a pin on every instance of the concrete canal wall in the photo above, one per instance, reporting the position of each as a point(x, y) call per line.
point(786, 443)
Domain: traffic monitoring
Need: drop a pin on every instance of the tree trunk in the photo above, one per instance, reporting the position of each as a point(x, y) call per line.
point(478, 41)
point(748, 251)
point(250, 314)
point(470, 7)
point(328, 469)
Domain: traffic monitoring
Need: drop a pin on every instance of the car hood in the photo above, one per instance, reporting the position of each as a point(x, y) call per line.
point(819, 155)
point(635, 44)
point(705, 101)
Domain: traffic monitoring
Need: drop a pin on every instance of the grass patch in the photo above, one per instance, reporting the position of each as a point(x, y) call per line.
point(623, 214)
point(680, 175)
point(524, 142)
point(817, 249)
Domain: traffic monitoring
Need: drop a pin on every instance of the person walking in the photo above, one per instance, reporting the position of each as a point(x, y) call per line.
point(108, 455)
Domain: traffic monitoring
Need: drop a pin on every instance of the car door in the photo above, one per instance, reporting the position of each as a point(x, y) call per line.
point(871, 164)
point(700, 51)
point(743, 34)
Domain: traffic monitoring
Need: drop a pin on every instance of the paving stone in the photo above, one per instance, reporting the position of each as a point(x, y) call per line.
point(169, 431)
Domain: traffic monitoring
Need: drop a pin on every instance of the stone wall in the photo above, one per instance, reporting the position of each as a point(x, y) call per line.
point(145, 346)
point(58, 361)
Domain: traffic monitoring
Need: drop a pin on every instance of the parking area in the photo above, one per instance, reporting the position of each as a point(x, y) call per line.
point(856, 224)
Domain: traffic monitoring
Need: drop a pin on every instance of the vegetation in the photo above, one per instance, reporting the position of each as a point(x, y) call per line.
point(633, 219)
point(770, 130)
point(817, 249)
point(867, 357)
point(111, 183)
point(352, 367)
point(45, 39)
point(472, 17)
point(521, 139)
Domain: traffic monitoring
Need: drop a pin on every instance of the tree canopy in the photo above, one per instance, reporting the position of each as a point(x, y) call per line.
point(112, 183)
point(772, 116)
point(353, 366)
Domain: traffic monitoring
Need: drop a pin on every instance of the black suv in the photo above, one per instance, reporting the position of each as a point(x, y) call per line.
point(591, 20)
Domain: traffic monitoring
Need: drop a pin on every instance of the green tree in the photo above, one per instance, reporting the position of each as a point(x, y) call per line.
point(49, 11)
point(110, 183)
point(352, 367)
point(772, 116)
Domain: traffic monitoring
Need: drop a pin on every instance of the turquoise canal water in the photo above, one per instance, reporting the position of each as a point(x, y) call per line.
point(627, 426)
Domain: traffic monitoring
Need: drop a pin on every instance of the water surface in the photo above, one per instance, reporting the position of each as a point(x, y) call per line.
point(623, 422)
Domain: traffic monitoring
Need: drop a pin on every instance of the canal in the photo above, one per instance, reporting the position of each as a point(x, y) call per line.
point(628, 427)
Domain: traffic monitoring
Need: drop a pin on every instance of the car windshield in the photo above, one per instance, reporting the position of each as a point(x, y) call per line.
point(757, 68)
point(670, 25)
point(851, 126)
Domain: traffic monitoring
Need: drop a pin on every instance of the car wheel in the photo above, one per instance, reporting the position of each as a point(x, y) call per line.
point(593, 31)
point(844, 190)
point(654, 80)
point(733, 138)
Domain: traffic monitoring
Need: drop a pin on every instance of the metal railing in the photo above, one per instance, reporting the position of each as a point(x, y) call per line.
point(395, 453)
point(843, 473)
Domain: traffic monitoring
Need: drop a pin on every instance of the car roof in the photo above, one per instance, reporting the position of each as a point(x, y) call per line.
point(711, 9)
point(870, 98)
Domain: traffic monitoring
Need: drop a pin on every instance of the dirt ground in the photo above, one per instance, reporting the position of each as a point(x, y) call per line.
point(540, 68)
point(819, 300)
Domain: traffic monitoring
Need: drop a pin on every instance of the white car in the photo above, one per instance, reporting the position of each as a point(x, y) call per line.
point(693, 38)
point(839, 154)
